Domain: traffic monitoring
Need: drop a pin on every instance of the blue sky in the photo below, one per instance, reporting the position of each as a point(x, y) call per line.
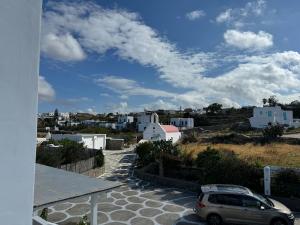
point(130, 55)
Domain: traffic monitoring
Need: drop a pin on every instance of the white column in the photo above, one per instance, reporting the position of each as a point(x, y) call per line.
point(267, 180)
point(19, 65)
point(94, 209)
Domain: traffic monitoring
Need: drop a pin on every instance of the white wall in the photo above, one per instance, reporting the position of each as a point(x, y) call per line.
point(19, 66)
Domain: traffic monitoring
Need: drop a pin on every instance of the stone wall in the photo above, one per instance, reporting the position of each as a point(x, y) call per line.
point(114, 144)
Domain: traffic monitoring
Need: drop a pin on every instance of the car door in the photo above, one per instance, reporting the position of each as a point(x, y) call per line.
point(255, 212)
point(230, 208)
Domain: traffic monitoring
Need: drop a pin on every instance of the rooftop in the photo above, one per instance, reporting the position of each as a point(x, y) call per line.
point(225, 188)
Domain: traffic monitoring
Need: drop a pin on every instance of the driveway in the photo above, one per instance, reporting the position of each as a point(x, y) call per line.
point(137, 202)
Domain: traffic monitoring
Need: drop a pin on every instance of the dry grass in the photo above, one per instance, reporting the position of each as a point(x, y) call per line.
point(272, 154)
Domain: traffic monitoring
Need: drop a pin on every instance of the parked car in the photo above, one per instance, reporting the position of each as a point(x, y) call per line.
point(218, 204)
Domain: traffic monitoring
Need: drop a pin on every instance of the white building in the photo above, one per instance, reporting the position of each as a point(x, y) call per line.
point(143, 119)
point(183, 122)
point(92, 141)
point(124, 121)
point(155, 131)
point(263, 116)
point(107, 125)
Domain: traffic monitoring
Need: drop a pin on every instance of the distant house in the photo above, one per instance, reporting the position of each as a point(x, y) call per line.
point(124, 121)
point(143, 119)
point(155, 131)
point(263, 116)
point(92, 141)
point(107, 124)
point(182, 122)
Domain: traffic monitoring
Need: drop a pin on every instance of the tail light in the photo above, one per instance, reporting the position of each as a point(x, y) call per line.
point(201, 205)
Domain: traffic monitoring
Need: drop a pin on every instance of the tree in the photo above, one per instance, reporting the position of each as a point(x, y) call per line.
point(272, 101)
point(56, 115)
point(161, 150)
point(264, 101)
point(213, 108)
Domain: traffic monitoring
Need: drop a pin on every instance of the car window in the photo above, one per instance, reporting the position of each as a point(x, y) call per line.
point(250, 202)
point(225, 199)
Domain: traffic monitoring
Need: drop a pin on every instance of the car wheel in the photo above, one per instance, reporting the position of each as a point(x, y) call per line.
point(278, 222)
point(214, 219)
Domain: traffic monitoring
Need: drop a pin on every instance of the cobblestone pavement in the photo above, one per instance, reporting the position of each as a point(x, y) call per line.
point(136, 203)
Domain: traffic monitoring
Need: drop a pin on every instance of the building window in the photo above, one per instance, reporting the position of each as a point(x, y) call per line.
point(269, 113)
point(261, 112)
point(284, 116)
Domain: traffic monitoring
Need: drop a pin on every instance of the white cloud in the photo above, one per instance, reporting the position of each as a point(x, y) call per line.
point(194, 15)
point(238, 17)
point(249, 79)
point(45, 90)
point(91, 111)
point(98, 30)
point(62, 47)
point(248, 40)
point(224, 16)
point(126, 87)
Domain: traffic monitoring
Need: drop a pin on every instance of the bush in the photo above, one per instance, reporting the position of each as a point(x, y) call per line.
point(208, 158)
point(191, 138)
point(225, 167)
point(99, 159)
point(273, 131)
point(145, 153)
point(286, 184)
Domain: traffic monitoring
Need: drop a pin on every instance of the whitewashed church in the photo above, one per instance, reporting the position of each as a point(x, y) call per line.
point(156, 131)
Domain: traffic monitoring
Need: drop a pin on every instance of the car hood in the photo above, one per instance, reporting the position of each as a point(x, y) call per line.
point(280, 206)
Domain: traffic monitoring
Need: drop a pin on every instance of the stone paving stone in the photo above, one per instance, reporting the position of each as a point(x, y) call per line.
point(57, 216)
point(141, 221)
point(191, 216)
point(121, 202)
point(134, 199)
point(117, 195)
point(71, 221)
point(102, 218)
point(77, 210)
point(122, 215)
point(62, 206)
point(115, 223)
point(173, 208)
point(186, 200)
point(153, 204)
point(167, 218)
point(122, 188)
point(130, 193)
point(103, 199)
point(134, 207)
point(150, 212)
point(107, 207)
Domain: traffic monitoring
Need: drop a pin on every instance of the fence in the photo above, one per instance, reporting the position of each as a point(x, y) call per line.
point(271, 171)
point(80, 166)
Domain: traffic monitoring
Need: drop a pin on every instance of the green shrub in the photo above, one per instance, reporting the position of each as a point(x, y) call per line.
point(208, 158)
point(44, 214)
point(84, 221)
point(191, 138)
point(273, 131)
point(99, 159)
point(145, 153)
point(286, 184)
point(226, 168)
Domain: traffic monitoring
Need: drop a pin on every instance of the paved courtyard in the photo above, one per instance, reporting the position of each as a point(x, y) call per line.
point(137, 202)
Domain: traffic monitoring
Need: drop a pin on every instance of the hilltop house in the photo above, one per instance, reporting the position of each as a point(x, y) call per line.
point(92, 141)
point(263, 116)
point(143, 119)
point(155, 131)
point(183, 122)
point(124, 121)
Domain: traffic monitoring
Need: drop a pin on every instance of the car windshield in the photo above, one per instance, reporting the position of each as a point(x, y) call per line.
point(263, 199)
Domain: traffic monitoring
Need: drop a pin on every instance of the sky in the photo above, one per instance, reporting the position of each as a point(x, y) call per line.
point(130, 55)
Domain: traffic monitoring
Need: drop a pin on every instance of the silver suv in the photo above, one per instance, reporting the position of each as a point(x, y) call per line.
point(218, 204)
